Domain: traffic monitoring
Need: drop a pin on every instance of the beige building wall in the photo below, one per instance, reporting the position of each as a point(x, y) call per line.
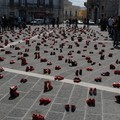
point(96, 9)
point(70, 11)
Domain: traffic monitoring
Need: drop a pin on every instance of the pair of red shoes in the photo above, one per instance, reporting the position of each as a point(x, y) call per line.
point(8, 52)
point(93, 91)
point(38, 117)
point(37, 55)
point(29, 68)
point(58, 77)
point(37, 48)
point(47, 86)
point(102, 57)
point(47, 71)
point(60, 57)
point(17, 48)
point(12, 61)
point(49, 63)
point(23, 80)
point(78, 72)
point(90, 102)
point(77, 80)
point(89, 69)
point(106, 74)
point(13, 92)
point(98, 79)
point(20, 53)
point(57, 67)
point(70, 107)
point(117, 72)
point(1, 58)
point(45, 101)
point(116, 85)
point(88, 58)
point(112, 67)
point(43, 60)
point(110, 55)
point(27, 50)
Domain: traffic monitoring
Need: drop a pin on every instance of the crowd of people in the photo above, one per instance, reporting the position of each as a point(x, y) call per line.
point(112, 24)
point(11, 23)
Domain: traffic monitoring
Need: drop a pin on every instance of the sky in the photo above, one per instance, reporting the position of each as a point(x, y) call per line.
point(78, 2)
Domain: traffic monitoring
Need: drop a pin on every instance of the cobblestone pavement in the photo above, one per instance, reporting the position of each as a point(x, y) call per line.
point(58, 46)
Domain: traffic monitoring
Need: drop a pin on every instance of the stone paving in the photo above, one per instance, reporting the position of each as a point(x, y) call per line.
point(49, 41)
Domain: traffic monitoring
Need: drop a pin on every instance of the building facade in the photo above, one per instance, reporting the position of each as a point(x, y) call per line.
point(119, 9)
point(97, 9)
point(70, 11)
point(31, 9)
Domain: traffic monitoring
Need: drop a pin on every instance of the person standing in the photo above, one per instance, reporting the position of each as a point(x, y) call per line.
point(57, 22)
point(110, 26)
point(116, 32)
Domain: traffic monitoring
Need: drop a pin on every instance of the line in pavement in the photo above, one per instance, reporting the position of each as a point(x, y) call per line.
point(84, 84)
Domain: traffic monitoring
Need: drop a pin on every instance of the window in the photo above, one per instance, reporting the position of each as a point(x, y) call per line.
point(102, 8)
point(75, 13)
point(11, 3)
point(50, 3)
point(66, 12)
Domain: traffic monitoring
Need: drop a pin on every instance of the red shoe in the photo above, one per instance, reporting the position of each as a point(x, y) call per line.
point(77, 73)
point(67, 108)
point(23, 80)
point(90, 91)
point(89, 103)
point(31, 68)
point(95, 91)
point(73, 108)
point(47, 86)
point(23, 61)
point(49, 71)
point(37, 117)
point(98, 79)
point(93, 102)
point(1, 69)
point(1, 59)
point(27, 69)
point(45, 101)
point(89, 69)
point(1, 76)
point(13, 92)
point(117, 72)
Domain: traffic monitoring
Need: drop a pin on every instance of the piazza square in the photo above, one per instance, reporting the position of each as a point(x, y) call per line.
point(59, 73)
